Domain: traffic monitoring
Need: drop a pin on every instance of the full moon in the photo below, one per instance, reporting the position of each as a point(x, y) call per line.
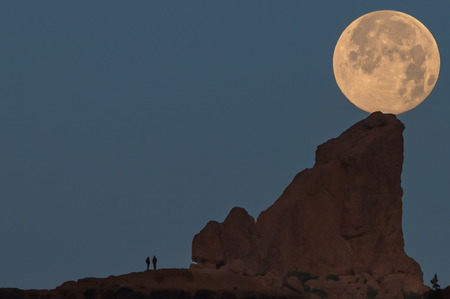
point(386, 61)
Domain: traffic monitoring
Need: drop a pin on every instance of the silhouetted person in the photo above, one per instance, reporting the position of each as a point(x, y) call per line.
point(154, 260)
point(147, 260)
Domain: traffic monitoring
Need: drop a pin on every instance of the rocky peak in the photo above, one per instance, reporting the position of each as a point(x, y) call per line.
point(341, 217)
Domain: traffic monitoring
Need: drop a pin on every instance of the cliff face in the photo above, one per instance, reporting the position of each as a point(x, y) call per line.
point(343, 216)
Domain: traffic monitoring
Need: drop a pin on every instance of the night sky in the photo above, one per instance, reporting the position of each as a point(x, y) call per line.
point(126, 126)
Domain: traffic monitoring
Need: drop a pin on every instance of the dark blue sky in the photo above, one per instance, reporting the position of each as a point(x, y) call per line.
point(125, 127)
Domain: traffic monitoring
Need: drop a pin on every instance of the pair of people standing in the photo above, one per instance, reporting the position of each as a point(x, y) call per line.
point(154, 260)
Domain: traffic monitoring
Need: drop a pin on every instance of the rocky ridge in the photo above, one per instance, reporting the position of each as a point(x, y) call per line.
point(342, 217)
point(159, 284)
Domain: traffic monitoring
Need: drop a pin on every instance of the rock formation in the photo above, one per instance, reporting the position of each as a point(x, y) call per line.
point(334, 233)
point(341, 217)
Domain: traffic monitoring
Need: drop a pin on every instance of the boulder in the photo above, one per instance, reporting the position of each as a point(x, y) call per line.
point(229, 244)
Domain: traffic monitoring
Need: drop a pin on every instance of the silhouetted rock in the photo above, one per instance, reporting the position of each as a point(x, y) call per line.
point(334, 233)
point(343, 216)
point(231, 241)
point(11, 293)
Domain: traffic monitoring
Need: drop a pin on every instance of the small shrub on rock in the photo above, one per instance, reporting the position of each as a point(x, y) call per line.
point(333, 277)
point(319, 292)
point(302, 276)
point(371, 293)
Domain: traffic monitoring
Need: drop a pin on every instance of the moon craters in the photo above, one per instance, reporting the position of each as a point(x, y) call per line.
point(431, 80)
point(386, 61)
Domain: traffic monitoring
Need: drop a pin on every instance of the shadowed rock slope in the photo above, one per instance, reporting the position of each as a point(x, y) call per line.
point(342, 217)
